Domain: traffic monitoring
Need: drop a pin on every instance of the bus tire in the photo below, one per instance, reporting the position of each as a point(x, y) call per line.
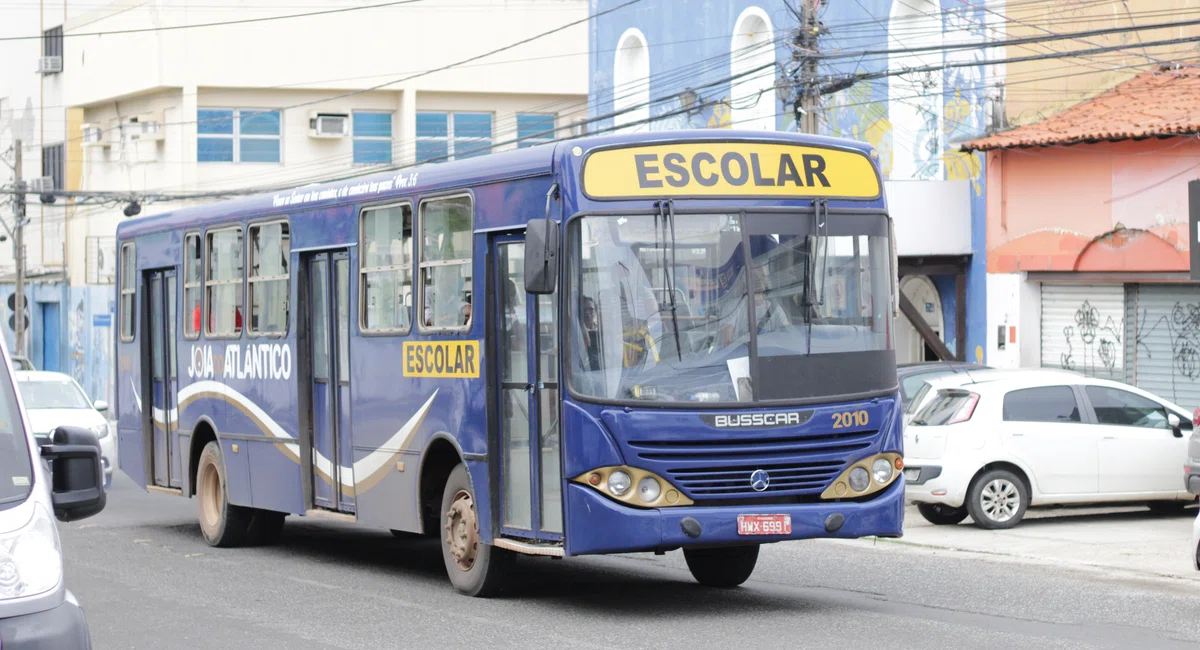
point(474, 568)
point(723, 567)
point(222, 523)
point(266, 527)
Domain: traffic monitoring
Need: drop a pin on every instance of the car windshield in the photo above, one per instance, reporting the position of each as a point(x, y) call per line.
point(16, 469)
point(910, 405)
point(943, 407)
point(52, 394)
point(661, 305)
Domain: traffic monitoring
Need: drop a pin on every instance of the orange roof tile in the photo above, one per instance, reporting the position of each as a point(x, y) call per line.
point(1160, 102)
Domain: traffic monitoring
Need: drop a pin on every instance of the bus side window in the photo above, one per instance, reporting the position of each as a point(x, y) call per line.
point(224, 290)
point(128, 289)
point(192, 280)
point(385, 270)
point(446, 261)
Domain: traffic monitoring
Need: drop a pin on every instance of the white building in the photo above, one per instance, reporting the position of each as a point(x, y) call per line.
point(175, 97)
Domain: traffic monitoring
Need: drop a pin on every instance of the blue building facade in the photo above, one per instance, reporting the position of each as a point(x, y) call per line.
point(671, 64)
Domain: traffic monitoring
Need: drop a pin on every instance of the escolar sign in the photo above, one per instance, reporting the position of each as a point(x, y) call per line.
point(441, 358)
point(729, 169)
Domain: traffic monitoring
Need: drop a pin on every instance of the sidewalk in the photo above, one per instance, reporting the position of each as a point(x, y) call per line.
point(1128, 540)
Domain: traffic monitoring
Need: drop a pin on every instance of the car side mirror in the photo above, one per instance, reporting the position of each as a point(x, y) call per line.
point(100, 405)
point(76, 472)
point(1174, 422)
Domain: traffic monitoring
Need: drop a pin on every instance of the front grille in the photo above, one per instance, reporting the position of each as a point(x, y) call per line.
point(721, 468)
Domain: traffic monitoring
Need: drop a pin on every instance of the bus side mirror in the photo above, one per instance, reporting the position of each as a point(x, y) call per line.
point(541, 256)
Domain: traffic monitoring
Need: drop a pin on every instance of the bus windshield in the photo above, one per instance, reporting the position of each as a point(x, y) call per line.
point(661, 305)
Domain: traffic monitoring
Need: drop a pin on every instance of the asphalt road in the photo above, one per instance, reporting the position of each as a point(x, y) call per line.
point(147, 580)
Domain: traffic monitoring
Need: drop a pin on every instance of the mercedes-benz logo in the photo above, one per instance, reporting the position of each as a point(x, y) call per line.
point(759, 480)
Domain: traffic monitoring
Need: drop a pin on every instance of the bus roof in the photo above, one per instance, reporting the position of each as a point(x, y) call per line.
point(429, 178)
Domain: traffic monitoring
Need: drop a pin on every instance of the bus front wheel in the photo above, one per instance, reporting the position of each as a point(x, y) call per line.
point(721, 567)
point(475, 568)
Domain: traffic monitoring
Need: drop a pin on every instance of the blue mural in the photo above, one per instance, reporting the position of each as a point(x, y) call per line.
point(914, 120)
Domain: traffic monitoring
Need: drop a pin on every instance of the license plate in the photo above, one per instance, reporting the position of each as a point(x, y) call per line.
point(764, 524)
point(912, 473)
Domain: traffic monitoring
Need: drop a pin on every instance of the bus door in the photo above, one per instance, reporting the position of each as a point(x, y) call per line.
point(328, 312)
point(164, 384)
point(530, 466)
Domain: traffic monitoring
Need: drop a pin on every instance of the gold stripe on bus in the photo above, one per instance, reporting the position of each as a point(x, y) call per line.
point(729, 169)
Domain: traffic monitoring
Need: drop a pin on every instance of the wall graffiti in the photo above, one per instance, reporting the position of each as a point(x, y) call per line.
point(1183, 330)
point(1100, 342)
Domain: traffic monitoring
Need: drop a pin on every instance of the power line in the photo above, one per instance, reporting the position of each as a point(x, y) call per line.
point(840, 82)
point(221, 23)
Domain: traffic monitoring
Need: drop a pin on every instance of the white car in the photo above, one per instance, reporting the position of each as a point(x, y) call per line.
point(929, 389)
point(1196, 543)
point(53, 399)
point(36, 608)
point(992, 448)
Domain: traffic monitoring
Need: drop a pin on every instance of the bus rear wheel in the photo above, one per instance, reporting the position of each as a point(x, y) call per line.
point(721, 567)
point(222, 523)
point(474, 568)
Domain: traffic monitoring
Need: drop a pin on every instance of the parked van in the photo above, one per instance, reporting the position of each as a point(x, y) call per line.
point(63, 479)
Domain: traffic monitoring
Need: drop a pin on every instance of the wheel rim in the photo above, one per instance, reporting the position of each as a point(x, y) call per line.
point(210, 496)
point(1000, 500)
point(462, 531)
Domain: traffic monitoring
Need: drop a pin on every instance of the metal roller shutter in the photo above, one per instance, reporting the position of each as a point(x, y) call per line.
point(1083, 328)
point(1167, 355)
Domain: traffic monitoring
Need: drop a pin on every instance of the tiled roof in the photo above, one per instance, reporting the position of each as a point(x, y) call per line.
point(1160, 102)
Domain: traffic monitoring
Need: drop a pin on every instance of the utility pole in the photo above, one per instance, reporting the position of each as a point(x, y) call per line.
point(808, 100)
point(19, 257)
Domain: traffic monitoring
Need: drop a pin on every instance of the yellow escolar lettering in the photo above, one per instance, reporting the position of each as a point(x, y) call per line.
point(444, 359)
point(729, 169)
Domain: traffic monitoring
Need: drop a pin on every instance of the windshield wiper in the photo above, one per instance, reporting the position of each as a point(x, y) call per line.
point(810, 283)
point(667, 210)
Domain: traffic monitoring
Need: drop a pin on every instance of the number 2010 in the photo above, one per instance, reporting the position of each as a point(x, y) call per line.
point(851, 419)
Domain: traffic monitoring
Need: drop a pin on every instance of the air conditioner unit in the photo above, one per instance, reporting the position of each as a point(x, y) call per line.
point(49, 64)
point(94, 135)
point(328, 125)
point(144, 127)
point(41, 184)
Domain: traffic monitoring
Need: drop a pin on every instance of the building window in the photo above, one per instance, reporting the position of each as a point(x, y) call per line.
point(192, 281)
point(224, 283)
point(446, 258)
point(534, 129)
point(447, 136)
point(53, 165)
point(631, 81)
point(52, 42)
point(128, 289)
point(269, 249)
point(752, 56)
point(372, 138)
point(241, 135)
point(386, 270)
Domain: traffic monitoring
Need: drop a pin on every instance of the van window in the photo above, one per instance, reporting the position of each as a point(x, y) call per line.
point(16, 470)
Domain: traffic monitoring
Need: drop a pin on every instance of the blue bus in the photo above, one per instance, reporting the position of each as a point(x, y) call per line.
point(637, 342)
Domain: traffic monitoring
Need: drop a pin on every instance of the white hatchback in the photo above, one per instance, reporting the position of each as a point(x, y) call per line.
point(54, 399)
point(992, 448)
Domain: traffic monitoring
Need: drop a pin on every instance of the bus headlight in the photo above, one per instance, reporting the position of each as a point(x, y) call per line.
point(649, 489)
point(865, 476)
point(881, 469)
point(619, 483)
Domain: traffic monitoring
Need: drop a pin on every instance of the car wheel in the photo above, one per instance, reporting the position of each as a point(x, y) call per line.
point(997, 499)
point(940, 514)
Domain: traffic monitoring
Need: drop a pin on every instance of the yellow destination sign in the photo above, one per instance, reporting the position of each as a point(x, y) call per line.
point(441, 359)
point(729, 169)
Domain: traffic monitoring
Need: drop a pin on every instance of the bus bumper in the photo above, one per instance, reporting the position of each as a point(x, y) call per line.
point(599, 525)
